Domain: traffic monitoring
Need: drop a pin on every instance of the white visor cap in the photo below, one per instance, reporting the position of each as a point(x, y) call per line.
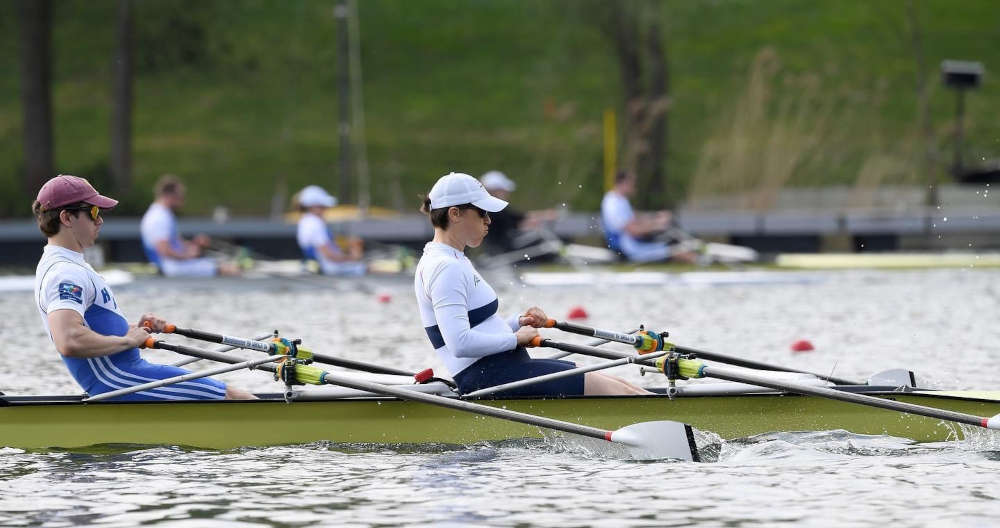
point(456, 189)
point(498, 180)
point(315, 196)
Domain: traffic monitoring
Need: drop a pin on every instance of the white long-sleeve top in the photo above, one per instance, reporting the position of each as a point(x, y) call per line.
point(458, 309)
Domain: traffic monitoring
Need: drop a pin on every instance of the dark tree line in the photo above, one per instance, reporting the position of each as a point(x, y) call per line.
point(36, 94)
point(36, 90)
point(634, 29)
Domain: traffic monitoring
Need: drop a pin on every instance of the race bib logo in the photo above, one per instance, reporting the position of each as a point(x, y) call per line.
point(70, 291)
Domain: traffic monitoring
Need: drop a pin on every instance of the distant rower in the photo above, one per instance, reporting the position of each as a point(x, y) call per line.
point(631, 234)
point(314, 237)
point(172, 255)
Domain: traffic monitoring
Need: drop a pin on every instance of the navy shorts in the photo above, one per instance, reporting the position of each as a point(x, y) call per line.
point(515, 365)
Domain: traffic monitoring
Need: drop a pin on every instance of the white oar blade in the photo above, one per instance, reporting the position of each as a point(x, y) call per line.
point(658, 440)
point(993, 423)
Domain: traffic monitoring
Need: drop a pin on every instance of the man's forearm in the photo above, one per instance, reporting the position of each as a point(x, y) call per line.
point(83, 342)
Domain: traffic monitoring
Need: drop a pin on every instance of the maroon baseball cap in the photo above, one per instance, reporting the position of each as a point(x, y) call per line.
point(64, 190)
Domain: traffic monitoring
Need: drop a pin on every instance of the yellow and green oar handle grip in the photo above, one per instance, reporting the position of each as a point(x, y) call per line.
point(675, 367)
point(295, 373)
point(644, 341)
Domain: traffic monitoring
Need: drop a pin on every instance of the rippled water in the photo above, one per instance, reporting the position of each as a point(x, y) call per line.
point(942, 324)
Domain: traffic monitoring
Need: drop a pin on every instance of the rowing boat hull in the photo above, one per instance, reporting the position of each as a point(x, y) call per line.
point(224, 425)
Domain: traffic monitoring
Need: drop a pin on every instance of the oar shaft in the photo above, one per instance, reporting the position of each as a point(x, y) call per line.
point(263, 346)
point(596, 342)
point(756, 365)
point(238, 342)
point(225, 348)
point(206, 354)
point(358, 365)
point(459, 405)
point(721, 358)
point(713, 371)
point(587, 350)
point(574, 328)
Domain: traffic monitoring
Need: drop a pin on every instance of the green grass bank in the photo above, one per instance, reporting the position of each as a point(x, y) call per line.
point(239, 98)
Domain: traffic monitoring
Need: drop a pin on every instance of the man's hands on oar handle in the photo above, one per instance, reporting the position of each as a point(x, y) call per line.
point(153, 323)
point(149, 323)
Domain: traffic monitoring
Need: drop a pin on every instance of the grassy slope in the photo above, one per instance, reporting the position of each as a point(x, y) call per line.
point(494, 84)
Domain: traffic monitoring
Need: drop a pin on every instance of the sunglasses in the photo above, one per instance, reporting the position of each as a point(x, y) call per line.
point(482, 213)
point(95, 211)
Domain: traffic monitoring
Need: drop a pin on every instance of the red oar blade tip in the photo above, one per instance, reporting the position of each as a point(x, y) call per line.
point(992, 423)
point(658, 440)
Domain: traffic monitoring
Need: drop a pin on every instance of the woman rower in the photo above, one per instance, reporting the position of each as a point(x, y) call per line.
point(459, 309)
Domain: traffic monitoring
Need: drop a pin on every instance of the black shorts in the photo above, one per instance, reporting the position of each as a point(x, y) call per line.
point(515, 365)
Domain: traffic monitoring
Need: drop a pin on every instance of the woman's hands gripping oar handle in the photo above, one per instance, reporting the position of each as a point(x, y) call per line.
point(646, 342)
point(689, 368)
point(272, 347)
point(648, 440)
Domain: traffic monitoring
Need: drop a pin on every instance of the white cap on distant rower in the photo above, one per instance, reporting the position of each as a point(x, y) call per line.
point(315, 196)
point(498, 180)
point(456, 189)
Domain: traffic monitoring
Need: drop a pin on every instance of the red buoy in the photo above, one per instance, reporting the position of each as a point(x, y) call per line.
point(577, 312)
point(384, 298)
point(802, 345)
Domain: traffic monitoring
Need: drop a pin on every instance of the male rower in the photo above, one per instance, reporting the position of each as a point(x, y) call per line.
point(172, 255)
point(79, 310)
point(631, 234)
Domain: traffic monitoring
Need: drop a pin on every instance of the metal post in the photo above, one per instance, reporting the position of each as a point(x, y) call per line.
point(340, 12)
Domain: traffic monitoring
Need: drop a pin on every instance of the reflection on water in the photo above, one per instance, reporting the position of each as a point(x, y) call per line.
point(936, 322)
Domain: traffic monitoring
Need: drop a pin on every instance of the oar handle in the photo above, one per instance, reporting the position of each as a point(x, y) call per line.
point(151, 342)
point(270, 348)
point(539, 341)
point(573, 328)
point(644, 341)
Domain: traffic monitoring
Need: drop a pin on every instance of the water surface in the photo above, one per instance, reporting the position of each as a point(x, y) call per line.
point(939, 323)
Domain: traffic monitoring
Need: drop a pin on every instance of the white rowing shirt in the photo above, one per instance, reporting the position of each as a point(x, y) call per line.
point(458, 309)
point(616, 213)
point(158, 224)
point(312, 234)
point(65, 281)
